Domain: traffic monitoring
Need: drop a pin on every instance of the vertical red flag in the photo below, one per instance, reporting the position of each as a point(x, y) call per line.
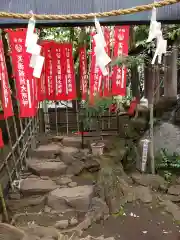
point(69, 74)
point(49, 77)
point(107, 85)
point(58, 60)
point(23, 73)
point(41, 91)
point(1, 139)
point(121, 38)
point(83, 72)
point(6, 93)
point(95, 75)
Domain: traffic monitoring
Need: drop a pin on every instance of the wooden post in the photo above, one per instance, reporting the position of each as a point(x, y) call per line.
point(170, 78)
point(151, 132)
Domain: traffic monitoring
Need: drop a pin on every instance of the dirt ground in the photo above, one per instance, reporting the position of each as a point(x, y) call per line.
point(147, 223)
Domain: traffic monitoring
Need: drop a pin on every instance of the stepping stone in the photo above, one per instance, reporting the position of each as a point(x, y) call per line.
point(78, 198)
point(72, 141)
point(9, 232)
point(49, 151)
point(174, 190)
point(46, 168)
point(34, 186)
point(67, 153)
point(30, 204)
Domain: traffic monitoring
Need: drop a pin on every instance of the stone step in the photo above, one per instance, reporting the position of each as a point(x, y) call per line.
point(67, 154)
point(43, 167)
point(78, 198)
point(51, 150)
point(74, 141)
point(29, 204)
point(35, 186)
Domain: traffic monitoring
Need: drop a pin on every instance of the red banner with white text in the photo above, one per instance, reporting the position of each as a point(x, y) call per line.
point(107, 85)
point(95, 76)
point(23, 73)
point(58, 59)
point(6, 92)
point(83, 72)
point(69, 73)
point(41, 82)
point(49, 76)
point(119, 75)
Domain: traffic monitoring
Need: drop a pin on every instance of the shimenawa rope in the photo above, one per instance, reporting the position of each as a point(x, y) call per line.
point(90, 15)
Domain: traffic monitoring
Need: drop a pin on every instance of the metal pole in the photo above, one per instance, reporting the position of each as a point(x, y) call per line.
point(56, 118)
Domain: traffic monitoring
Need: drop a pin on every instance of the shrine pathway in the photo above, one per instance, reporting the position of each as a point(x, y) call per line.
point(148, 224)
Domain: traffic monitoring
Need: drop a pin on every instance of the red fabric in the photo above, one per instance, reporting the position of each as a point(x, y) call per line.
point(95, 76)
point(121, 38)
point(1, 139)
point(113, 107)
point(83, 72)
point(58, 59)
point(107, 79)
point(49, 75)
point(69, 74)
point(42, 81)
point(23, 73)
point(6, 92)
point(132, 107)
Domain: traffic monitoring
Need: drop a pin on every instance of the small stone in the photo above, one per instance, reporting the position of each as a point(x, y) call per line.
point(63, 224)
point(54, 212)
point(73, 221)
point(15, 196)
point(47, 209)
point(72, 184)
point(64, 180)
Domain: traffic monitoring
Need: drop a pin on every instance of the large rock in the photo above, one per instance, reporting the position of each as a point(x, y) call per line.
point(166, 136)
point(67, 154)
point(172, 208)
point(154, 181)
point(34, 186)
point(78, 197)
point(49, 151)
point(72, 141)
point(46, 168)
point(76, 167)
point(8, 232)
point(143, 194)
point(42, 232)
point(174, 190)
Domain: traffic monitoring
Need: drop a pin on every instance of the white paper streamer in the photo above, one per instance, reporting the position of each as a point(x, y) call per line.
point(102, 59)
point(155, 32)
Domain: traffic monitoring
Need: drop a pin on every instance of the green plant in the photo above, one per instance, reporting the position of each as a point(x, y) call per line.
point(167, 160)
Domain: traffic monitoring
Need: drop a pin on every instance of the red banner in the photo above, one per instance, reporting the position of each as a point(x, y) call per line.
point(6, 93)
point(23, 73)
point(69, 75)
point(49, 76)
point(121, 38)
point(95, 76)
point(58, 71)
point(1, 139)
point(83, 72)
point(107, 85)
point(41, 82)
